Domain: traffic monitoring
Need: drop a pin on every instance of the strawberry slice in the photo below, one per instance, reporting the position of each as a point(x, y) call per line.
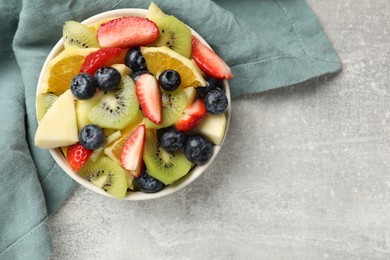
point(126, 32)
point(209, 61)
point(149, 97)
point(100, 58)
point(77, 156)
point(192, 116)
point(133, 150)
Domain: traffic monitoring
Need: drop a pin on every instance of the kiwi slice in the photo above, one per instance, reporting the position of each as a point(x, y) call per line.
point(174, 103)
point(107, 175)
point(78, 35)
point(44, 102)
point(117, 108)
point(154, 12)
point(162, 165)
point(174, 34)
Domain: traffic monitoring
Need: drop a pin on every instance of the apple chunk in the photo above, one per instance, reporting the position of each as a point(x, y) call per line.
point(58, 127)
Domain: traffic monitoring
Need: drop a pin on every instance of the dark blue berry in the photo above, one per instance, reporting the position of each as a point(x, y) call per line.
point(211, 84)
point(198, 149)
point(169, 80)
point(172, 140)
point(107, 78)
point(83, 86)
point(91, 136)
point(147, 183)
point(137, 74)
point(134, 60)
point(216, 102)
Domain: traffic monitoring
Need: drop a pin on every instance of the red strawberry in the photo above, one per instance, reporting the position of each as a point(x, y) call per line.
point(133, 150)
point(149, 97)
point(126, 32)
point(77, 156)
point(209, 61)
point(192, 116)
point(100, 58)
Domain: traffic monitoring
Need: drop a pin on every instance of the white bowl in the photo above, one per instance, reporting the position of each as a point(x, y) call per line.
point(137, 195)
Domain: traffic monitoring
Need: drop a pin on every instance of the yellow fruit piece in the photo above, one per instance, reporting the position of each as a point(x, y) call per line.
point(58, 127)
point(62, 69)
point(114, 150)
point(162, 58)
point(122, 69)
point(213, 127)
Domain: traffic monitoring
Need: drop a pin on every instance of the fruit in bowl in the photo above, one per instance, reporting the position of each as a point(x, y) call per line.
point(133, 103)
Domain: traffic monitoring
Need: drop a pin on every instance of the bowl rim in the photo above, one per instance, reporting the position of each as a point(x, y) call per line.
point(57, 155)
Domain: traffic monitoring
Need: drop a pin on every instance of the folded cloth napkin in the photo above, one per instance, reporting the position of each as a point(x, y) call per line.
point(267, 43)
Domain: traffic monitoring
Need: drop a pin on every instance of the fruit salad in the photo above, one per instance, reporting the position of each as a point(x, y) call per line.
point(133, 103)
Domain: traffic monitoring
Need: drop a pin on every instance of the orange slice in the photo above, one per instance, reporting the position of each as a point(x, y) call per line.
point(62, 69)
point(162, 58)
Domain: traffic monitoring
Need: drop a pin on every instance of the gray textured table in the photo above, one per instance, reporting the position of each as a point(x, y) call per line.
point(304, 173)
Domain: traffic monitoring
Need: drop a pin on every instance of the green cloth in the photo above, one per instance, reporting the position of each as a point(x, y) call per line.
point(267, 43)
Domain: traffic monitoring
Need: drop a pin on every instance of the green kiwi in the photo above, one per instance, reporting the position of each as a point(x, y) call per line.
point(117, 108)
point(174, 103)
point(107, 175)
point(78, 35)
point(44, 102)
point(154, 12)
point(174, 34)
point(162, 165)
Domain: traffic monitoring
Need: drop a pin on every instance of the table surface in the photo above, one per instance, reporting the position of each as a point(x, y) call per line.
point(310, 180)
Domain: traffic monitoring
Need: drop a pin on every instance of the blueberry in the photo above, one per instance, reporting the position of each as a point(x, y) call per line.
point(169, 80)
point(211, 84)
point(198, 149)
point(83, 86)
point(147, 183)
point(137, 74)
point(91, 136)
point(172, 140)
point(107, 78)
point(216, 102)
point(134, 60)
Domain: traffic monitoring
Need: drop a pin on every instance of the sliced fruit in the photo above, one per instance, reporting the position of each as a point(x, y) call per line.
point(44, 102)
point(149, 97)
point(64, 150)
point(111, 136)
point(114, 149)
point(78, 35)
point(107, 175)
point(173, 104)
point(58, 127)
point(62, 69)
point(162, 58)
point(213, 127)
point(83, 107)
point(209, 61)
point(133, 149)
point(77, 155)
point(116, 109)
point(122, 68)
point(174, 34)
point(100, 58)
point(192, 116)
point(154, 12)
point(191, 95)
point(165, 167)
point(95, 26)
point(126, 32)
